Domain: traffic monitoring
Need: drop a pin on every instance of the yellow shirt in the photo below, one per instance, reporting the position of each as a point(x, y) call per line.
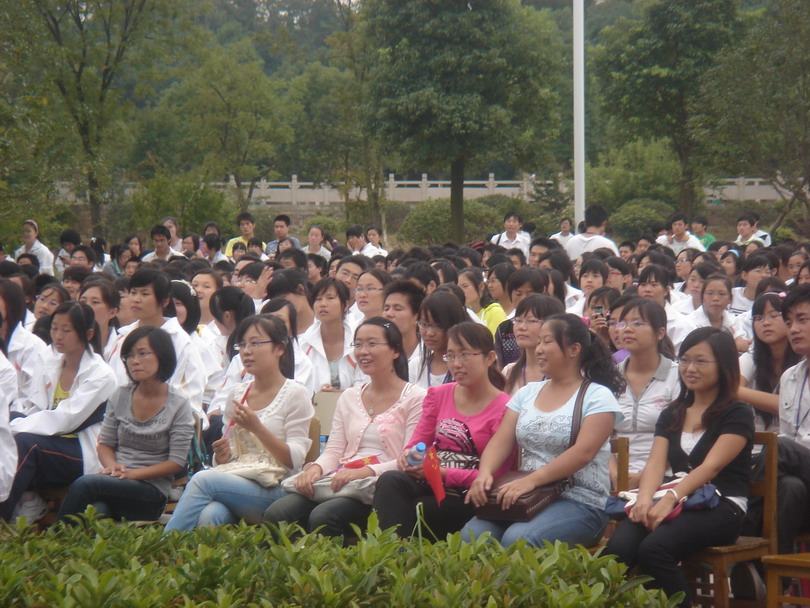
point(238, 239)
point(59, 395)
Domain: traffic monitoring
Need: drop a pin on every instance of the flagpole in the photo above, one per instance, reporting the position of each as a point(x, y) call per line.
point(579, 110)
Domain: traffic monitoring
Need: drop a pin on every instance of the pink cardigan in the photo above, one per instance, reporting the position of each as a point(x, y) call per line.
point(351, 420)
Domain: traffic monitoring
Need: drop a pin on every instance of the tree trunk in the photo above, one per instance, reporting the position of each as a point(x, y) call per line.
point(783, 214)
point(457, 201)
point(94, 200)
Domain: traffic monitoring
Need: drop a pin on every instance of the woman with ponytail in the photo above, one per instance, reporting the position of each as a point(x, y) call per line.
point(266, 435)
point(538, 420)
point(459, 418)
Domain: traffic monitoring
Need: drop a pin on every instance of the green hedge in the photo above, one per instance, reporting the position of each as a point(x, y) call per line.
point(101, 563)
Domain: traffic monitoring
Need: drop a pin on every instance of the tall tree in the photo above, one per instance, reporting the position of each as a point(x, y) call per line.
point(76, 50)
point(650, 73)
point(756, 102)
point(460, 82)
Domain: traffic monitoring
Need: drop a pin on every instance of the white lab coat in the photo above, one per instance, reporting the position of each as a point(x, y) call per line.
point(92, 386)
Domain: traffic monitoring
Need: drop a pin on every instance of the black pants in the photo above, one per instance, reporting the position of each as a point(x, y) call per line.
point(397, 496)
point(792, 495)
point(42, 460)
point(658, 553)
point(333, 517)
point(112, 497)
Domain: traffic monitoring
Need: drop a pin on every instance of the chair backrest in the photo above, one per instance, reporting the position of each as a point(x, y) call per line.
point(620, 446)
point(325, 404)
point(766, 488)
point(315, 437)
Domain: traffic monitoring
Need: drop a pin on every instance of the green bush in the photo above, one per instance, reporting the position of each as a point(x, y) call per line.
point(635, 217)
point(429, 222)
point(395, 214)
point(101, 563)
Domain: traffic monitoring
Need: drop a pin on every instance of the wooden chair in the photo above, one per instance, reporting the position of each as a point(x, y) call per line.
point(795, 565)
point(325, 404)
point(708, 570)
point(315, 436)
point(620, 446)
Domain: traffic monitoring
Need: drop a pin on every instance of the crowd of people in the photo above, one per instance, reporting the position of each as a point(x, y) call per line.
point(113, 363)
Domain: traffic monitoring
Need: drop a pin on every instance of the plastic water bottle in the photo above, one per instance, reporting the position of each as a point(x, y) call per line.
point(416, 455)
point(322, 444)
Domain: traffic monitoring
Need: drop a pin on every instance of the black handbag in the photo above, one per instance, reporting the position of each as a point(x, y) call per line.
point(531, 503)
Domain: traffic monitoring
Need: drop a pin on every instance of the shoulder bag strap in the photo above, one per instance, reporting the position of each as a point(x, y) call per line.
point(576, 419)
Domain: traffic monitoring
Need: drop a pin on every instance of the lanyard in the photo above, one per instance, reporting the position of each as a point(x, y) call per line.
point(799, 406)
point(447, 376)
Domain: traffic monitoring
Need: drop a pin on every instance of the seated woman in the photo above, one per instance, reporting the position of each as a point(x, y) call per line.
point(528, 320)
point(521, 284)
point(372, 421)
point(655, 283)
point(369, 292)
point(497, 282)
point(478, 300)
point(266, 435)
point(651, 375)
point(438, 313)
point(597, 310)
point(49, 297)
point(56, 440)
point(328, 341)
point(144, 438)
point(459, 418)
point(24, 350)
point(538, 420)
point(694, 285)
point(715, 297)
point(8, 447)
point(104, 299)
point(707, 433)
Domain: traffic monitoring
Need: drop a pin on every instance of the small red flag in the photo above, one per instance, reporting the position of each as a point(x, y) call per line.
point(361, 462)
point(433, 474)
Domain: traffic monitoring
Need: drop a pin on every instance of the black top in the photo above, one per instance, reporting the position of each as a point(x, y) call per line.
point(738, 419)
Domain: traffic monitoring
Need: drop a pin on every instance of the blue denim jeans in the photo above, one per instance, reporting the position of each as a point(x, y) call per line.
point(564, 520)
point(213, 498)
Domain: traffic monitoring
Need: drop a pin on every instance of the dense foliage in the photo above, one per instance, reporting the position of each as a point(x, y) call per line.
point(107, 564)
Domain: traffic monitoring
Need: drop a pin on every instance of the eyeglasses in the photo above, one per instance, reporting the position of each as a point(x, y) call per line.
point(244, 281)
point(698, 363)
point(426, 326)
point(246, 346)
point(634, 324)
point(367, 289)
point(137, 356)
point(518, 322)
point(45, 300)
point(463, 357)
point(771, 316)
point(359, 345)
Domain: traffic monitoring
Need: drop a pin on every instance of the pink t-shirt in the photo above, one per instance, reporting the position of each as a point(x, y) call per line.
point(441, 423)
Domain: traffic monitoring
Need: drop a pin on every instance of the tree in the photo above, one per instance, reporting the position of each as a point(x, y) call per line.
point(234, 116)
point(756, 118)
point(76, 51)
point(461, 82)
point(650, 74)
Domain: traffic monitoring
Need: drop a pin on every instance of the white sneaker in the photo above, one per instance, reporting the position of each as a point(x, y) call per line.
point(33, 510)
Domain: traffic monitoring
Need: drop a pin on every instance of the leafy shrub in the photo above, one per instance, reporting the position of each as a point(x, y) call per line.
point(429, 222)
point(395, 214)
point(635, 217)
point(101, 563)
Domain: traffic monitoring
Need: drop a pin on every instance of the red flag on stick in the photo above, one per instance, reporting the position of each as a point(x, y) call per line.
point(433, 474)
point(362, 462)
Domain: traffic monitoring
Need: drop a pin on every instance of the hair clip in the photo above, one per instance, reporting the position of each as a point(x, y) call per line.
point(781, 294)
point(387, 325)
point(187, 284)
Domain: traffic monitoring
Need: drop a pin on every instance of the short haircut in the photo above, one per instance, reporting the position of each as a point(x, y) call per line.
point(547, 243)
point(282, 218)
point(700, 219)
point(160, 230)
point(594, 266)
point(76, 273)
point(319, 261)
point(412, 292)
point(518, 253)
point(468, 253)
point(537, 278)
point(89, 253)
point(290, 281)
point(760, 259)
point(800, 294)
point(70, 236)
point(109, 292)
point(212, 241)
point(245, 217)
point(629, 244)
point(362, 261)
point(513, 214)
point(424, 273)
point(567, 219)
point(298, 257)
point(151, 277)
point(161, 344)
point(354, 230)
point(32, 259)
point(657, 274)
point(619, 264)
point(330, 282)
point(747, 217)
point(677, 217)
point(595, 216)
point(255, 242)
